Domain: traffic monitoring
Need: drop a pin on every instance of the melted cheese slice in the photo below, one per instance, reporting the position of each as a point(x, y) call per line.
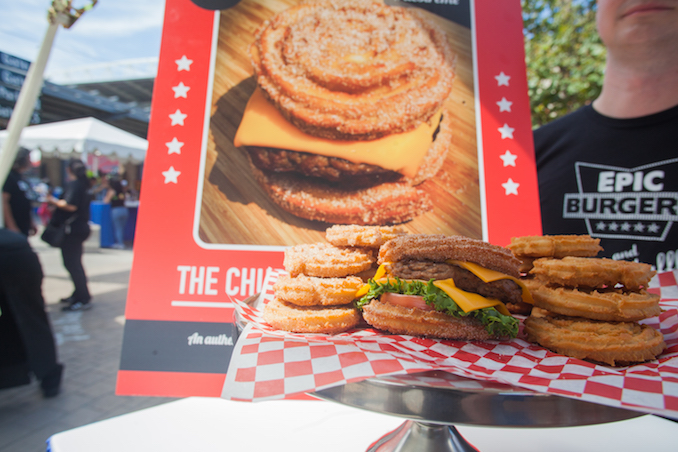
point(263, 125)
point(469, 301)
point(487, 275)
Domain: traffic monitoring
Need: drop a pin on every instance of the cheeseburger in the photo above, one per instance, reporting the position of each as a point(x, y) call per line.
point(448, 287)
point(347, 117)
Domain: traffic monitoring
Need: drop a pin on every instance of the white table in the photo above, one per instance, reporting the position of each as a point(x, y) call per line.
point(212, 424)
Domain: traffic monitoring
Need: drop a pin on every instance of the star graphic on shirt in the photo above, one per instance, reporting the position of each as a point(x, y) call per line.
point(502, 79)
point(653, 228)
point(504, 105)
point(171, 175)
point(174, 146)
point(178, 118)
point(183, 64)
point(510, 187)
point(506, 131)
point(180, 90)
point(508, 159)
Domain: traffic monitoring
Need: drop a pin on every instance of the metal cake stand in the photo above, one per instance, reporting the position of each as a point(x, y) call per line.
point(434, 402)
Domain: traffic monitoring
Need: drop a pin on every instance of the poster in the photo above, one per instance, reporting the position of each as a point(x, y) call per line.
point(210, 224)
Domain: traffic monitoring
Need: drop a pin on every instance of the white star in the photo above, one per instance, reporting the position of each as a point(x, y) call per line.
point(180, 90)
point(183, 64)
point(504, 105)
point(511, 187)
point(613, 226)
point(171, 175)
point(639, 227)
point(653, 228)
point(177, 118)
point(502, 79)
point(506, 131)
point(174, 146)
point(508, 159)
point(626, 226)
point(600, 226)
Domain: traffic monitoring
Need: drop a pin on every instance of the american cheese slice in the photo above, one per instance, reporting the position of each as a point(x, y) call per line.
point(469, 301)
point(487, 275)
point(263, 125)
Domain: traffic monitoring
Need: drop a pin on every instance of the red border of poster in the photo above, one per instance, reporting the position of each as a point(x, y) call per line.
point(165, 249)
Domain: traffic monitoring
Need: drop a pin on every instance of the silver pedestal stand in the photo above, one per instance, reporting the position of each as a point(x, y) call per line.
point(432, 410)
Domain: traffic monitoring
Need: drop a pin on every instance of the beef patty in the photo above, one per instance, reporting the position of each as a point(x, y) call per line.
point(505, 290)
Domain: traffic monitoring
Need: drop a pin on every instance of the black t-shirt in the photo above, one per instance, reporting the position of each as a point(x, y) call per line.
point(614, 179)
point(19, 201)
point(76, 193)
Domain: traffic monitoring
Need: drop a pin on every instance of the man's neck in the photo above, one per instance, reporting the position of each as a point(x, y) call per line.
point(631, 93)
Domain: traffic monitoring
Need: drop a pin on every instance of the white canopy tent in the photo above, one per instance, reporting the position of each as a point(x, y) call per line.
point(79, 137)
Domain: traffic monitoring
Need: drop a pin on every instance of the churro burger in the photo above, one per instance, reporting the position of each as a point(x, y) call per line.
point(347, 117)
point(441, 286)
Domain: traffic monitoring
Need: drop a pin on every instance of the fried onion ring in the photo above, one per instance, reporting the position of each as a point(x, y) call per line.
point(612, 343)
point(439, 248)
point(311, 291)
point(592, 272)
point(416, 322)
point(612, 305)
point(353, 69)
point(310, 319)
point(326, 261)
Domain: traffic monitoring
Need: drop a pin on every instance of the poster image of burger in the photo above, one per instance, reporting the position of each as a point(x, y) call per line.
point(340, 112)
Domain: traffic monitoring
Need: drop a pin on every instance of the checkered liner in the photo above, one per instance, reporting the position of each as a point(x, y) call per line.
point(269, 364)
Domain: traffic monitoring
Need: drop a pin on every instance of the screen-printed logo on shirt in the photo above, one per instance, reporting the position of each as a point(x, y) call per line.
point(625, 203)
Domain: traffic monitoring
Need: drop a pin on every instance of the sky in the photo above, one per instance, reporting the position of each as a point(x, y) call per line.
point(113, 31)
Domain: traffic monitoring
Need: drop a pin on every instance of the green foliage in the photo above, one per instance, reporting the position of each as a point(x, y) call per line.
point(564, 56)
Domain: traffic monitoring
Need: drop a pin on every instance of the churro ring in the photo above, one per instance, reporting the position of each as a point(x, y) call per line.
point(326, 261)
point(310, 319)
point(592, 272)
point(311, 291)
point(414, 322)
point(353, 69)
point(612, 343)
point(612, 306)
point(440, 248)
point(363, 236)
point(387, 203)
point(555, 246)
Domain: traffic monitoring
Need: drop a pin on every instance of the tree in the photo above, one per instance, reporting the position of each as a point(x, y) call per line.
point(565, 57)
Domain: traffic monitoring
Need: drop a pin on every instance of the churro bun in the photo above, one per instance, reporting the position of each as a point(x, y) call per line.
point(362, 236)
point(555, 246)
point(326, 261)
point(612, 343)
point(440, 248)
point(612, 305)
point(350, 70)
point(310, 319)
point(312, 291)
point(414, 322)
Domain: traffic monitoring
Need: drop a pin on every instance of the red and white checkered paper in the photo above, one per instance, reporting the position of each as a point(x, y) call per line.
point(269, 364)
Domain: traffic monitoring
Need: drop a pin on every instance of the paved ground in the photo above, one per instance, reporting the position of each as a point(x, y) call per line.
point(89, 345)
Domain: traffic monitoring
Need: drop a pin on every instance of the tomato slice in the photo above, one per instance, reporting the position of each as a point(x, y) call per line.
point(406, 301)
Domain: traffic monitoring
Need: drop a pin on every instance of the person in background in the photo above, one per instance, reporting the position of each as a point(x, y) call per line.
point(610, 169)
point(115, 196)
point(73, 207)
point(26, 333)
point(16, 202)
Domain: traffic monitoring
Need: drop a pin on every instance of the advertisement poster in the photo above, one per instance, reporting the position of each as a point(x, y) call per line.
point(264, 134)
